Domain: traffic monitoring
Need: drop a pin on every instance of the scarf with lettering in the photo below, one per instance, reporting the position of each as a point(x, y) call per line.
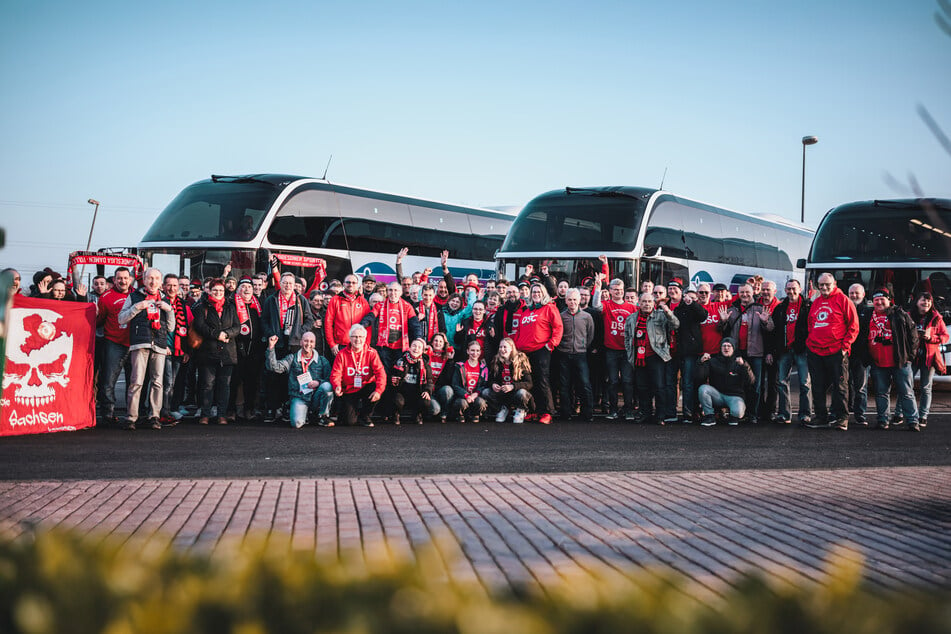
point(283, 304)
point(400, 313)
point(641, 342)
point(153, 313)
point(432, 320)
point(244, 317)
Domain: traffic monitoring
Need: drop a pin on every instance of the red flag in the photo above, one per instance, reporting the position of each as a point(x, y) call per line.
point(48, 377)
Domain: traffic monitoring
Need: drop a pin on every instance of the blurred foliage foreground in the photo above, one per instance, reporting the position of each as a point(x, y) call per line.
point(61, 582)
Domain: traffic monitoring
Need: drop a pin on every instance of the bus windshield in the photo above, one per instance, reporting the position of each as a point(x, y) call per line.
point(209, 211)
point(884, 231)
point(577, 222)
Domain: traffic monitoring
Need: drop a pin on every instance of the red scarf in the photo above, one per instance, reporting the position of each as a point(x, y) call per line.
point(283, 304)
point(152, 312)
point(217, 304)
point(399, 314)
point(641, 343)
point(432, 321)
point(244, 317)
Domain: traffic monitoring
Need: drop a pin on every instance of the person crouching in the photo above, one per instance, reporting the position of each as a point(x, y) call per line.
point(729, 377)
point(358, 379)
point(308, 387)
point(510, 383)
point(413, 382)
point(470, 377)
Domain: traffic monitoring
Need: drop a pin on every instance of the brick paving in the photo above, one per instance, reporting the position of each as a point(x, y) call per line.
point(534, 529)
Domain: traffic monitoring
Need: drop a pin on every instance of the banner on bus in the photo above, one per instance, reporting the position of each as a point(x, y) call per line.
point(305, 261)
point(48, 376)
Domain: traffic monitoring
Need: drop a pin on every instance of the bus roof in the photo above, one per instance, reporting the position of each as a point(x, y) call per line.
point(284, 180)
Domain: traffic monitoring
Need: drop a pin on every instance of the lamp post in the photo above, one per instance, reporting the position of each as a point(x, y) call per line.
point(806, 140)
point(95, 212)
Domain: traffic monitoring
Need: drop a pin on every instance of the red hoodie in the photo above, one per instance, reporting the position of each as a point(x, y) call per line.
point(538, 327)
point(345, 370)
point(833, 324)
point(110, 304)
point(342, 312)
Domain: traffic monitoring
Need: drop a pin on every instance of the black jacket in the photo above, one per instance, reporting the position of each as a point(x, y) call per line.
point(776, 342)
point(904, 335)
point(689, 339)
point(209, 325)
point(725, 374)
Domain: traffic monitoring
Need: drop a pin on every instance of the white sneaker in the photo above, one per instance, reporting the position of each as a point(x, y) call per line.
point(502, 415)
point(518, 417)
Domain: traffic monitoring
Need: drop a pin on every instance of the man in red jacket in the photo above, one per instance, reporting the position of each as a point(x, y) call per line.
point(833, 326)
point(343, 311)
point(539, 332)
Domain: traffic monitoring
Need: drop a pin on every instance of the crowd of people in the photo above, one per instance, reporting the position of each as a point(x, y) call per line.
point(355, 352)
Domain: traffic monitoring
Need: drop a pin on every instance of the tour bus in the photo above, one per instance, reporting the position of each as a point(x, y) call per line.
point(902, 244)
point(649, 234)
point(245, 220)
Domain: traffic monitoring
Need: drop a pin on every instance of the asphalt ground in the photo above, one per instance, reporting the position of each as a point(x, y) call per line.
point(258, 450)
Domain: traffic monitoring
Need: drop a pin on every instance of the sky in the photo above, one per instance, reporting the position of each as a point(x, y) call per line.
point(483, 104)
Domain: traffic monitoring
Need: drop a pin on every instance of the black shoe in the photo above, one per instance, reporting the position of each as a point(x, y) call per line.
point(129, 426)
point(270, 416)
point(366, 422)
point(923, 422)
point(475, 420)
point(324, 421)
point(841, 424)
point(815, 424)
point(914, 427)
point(419, 419)
point(733, 421)
point(708, 421)
point(155, 423)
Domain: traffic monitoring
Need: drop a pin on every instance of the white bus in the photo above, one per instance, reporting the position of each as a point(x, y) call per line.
point(902, 244)
point(649, 234)
point(247, 219)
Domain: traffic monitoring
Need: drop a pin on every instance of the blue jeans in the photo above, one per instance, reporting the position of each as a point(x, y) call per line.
point(172, 365)
point(688, 385)
point(318, 401)
point(650, 383)
point(785, 365)
point(573, 373)
point(115, 358)
point(671, 368)
point(620, 376)
point(756, 364)
point(858, 388)
point(711, 400)
point(904, 380)
point(926, 379)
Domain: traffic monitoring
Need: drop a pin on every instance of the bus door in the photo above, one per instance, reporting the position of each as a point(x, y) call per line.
point(661, 271)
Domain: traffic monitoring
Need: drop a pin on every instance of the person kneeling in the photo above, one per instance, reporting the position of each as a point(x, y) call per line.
point(470, 377)
point(510, 383)
point(729, 377)
point(412, 378)
point(358, 379)
point(308, 387)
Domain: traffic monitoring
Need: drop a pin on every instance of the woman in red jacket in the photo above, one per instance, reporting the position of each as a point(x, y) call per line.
point(539, 332)
point(358, 379)
point(932, 333)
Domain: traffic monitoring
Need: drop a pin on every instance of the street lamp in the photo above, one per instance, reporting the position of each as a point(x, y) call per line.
point(91, 201)
point(806, 140)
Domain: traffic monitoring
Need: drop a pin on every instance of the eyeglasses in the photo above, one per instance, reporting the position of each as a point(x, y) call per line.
point(703, 292)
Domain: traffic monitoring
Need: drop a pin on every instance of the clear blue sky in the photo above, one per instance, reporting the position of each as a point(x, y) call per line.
point(487, 103)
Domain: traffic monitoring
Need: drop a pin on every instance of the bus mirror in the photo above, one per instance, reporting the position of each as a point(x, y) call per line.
point(801, 263)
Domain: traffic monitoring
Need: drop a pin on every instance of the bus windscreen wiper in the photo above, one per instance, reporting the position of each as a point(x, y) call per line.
point(600, 193)
point(217, 178)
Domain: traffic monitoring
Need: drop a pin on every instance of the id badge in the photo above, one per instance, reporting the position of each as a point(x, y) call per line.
point(358, 381)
